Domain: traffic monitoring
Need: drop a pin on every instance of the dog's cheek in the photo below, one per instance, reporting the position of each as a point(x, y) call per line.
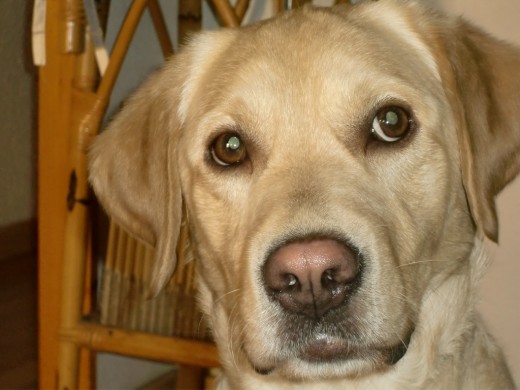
point(436, 230)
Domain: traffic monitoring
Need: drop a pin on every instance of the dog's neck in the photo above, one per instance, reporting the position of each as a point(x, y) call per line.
point(440, 339)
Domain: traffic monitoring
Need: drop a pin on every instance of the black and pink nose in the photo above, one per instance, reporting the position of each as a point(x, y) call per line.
point(311, 276)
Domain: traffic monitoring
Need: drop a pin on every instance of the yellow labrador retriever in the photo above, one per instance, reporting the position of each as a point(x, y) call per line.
point(339, 168)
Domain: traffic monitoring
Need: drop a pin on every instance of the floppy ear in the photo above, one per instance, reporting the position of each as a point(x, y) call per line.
point(133, 172)
point(485, 85)
point(132, 163)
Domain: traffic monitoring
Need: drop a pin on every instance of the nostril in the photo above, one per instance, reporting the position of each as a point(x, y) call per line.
point(284, 284)
point(278, 281)
point(291, 281)
point(328, 278)
point(329, 274)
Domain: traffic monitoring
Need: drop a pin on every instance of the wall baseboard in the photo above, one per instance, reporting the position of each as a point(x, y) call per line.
point(18, 238)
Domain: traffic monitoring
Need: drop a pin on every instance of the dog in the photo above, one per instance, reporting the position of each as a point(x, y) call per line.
point(338, 168)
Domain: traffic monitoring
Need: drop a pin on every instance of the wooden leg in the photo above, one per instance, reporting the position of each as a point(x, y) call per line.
point(86, 114)
point(68, 366)
point(72, 294)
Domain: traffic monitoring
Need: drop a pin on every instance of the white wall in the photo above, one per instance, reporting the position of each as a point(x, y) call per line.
point(500, 302)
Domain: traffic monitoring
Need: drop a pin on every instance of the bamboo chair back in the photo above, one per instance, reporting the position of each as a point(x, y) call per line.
point(126, 274)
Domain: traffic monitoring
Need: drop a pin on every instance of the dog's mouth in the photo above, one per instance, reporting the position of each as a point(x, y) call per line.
point(328, 350)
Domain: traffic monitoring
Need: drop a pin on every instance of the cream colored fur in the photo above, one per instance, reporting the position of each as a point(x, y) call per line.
point(301, 91)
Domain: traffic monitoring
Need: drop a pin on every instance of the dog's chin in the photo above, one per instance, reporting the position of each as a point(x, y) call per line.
point(330, 358)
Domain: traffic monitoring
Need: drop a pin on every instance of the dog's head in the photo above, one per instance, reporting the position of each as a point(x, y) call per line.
point(335, 165)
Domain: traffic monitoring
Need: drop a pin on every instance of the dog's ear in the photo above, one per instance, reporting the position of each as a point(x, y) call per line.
point(132, 163)
point(133, 172)
point(484, 86)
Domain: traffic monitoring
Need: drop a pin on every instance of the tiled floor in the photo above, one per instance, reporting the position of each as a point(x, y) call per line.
point(18, 323)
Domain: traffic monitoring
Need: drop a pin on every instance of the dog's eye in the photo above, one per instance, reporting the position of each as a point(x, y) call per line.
point(391, 124)
point(228, 149)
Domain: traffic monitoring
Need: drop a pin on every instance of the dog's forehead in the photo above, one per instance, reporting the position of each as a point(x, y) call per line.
point(317, 52)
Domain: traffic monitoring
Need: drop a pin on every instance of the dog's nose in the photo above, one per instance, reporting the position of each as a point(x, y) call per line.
point(311, 277)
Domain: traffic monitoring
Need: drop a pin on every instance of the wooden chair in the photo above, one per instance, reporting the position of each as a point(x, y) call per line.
point(75, 106)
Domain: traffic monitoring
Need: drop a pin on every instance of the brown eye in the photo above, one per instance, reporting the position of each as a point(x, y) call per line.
point(391, 124)
point(228, 149)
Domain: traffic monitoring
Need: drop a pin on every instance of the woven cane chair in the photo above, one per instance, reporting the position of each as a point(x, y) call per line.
point(167, 328)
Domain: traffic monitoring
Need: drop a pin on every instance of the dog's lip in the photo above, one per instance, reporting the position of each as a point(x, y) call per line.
point(320, 350)
point(326, 349)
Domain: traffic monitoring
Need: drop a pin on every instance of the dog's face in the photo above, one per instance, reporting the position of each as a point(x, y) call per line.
point(344, 148)
point(328, 187)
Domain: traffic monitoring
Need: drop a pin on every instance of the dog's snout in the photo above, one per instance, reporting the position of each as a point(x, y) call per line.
point(311, 277)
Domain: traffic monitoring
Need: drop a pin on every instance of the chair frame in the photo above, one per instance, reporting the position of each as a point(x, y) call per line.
point(71, 106)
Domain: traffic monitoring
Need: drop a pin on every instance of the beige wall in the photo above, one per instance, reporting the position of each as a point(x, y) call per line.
point(500, 301)
point(17, 131)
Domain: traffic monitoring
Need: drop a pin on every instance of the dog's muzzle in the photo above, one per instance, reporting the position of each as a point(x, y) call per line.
point(314, 281)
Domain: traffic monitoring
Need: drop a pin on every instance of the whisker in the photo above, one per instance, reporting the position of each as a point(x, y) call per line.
point(226, 294)
point(424, 261)
point(401, 340)
point(232, 319)
point(415, 306)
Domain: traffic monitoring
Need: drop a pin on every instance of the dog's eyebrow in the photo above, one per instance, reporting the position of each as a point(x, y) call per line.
point(203, 49)
point(404, 31)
